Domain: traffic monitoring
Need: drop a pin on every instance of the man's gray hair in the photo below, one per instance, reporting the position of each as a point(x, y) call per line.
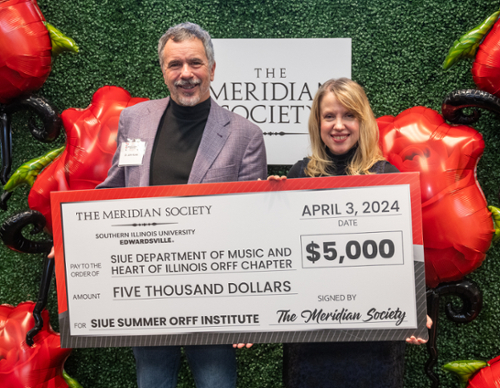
point(185, 31)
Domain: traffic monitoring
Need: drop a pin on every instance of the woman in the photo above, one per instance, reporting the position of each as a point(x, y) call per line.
point(344, 134)
point(344, 141)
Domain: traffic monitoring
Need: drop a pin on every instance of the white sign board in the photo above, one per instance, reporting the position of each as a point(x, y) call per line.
point(272, 83)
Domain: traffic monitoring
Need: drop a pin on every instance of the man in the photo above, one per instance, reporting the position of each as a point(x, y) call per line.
point(186, 138)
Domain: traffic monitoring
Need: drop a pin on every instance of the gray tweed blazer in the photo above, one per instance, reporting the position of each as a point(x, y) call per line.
point(231, 148)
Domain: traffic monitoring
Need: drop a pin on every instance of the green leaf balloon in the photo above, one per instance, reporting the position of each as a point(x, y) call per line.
point(27, 172)
point(467, 45)
point(464, 369)
point(72, 383)
point(60, 42)
point(495, 213)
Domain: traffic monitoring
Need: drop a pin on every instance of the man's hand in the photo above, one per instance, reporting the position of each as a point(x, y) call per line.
point(51, 255)
point(240, 346)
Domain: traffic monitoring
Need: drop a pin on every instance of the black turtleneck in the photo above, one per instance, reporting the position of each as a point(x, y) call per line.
point(176, 143)
point(340, 162)
point(339, 167)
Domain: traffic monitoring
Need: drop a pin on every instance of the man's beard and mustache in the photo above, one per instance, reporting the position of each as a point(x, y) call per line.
point(192, 100)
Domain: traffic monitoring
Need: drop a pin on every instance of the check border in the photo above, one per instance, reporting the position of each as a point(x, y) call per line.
point(202, 338)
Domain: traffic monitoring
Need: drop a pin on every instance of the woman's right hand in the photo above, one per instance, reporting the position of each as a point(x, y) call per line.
point(276, 178)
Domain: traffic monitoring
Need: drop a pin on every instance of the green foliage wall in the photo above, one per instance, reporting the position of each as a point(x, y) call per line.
point(398, 48)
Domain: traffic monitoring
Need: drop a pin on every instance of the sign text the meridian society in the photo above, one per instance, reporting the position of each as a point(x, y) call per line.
point(144, 213)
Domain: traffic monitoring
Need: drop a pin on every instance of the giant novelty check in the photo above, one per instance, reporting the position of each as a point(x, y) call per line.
point(305, 260)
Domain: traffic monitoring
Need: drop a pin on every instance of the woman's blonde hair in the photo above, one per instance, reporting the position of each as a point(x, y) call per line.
point(352, 96)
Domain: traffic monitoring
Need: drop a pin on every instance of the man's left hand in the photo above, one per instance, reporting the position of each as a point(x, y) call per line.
point(240, 346)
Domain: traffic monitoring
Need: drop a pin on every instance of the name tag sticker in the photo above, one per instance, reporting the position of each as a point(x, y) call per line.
point(132, 152)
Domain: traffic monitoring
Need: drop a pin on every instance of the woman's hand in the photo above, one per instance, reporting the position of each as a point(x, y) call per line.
point(275, 178)
point(419, 341)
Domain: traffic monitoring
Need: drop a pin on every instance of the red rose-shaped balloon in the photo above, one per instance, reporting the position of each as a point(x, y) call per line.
point(488, 377)
point(457, 225)
point(486, 67)
point(90, 145)
point(25, 48)
point(23, 366)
